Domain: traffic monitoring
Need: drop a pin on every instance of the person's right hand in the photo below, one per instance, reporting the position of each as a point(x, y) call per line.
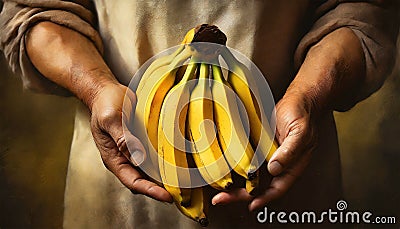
point(108, 134)
point(72, 61)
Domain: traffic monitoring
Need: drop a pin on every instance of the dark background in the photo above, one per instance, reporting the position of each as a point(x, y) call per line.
point(36, 132)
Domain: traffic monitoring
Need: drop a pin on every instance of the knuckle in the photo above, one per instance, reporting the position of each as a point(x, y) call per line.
point(286, 152)
point(131, 95)
point(121, 143)
point(304, 132)
point(298, 128)
point(108, 116)
point(135, 184)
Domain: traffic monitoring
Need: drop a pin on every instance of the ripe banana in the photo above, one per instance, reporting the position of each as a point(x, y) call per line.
point(206, 151)
point(261, 134)
point(165, 60)
point(149, 101)
point(197, 207)
point(252, 185)
point(231, 133)
point(171, 140)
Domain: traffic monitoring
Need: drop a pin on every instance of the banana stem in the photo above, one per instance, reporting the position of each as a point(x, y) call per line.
point(189, 73)
point(217, 73)
point(204, 74)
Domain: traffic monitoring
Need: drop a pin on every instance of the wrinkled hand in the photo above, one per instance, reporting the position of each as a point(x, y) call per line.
point(327, 80)
point(108, 134)
point(296, 134)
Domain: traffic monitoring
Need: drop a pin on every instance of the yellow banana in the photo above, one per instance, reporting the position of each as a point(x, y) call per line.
point(196, 209)
point(206, 151)
point(231, 133)
point(252, 185)
point(148, 107)
point(164, 60)
point(173, 162)
point(261, 134)
point(189, 36)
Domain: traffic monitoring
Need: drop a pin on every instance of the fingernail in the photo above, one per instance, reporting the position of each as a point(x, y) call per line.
point(275, 168)
point(137, 157)
point(251, 207)
point(255, 205)
point(215, 200)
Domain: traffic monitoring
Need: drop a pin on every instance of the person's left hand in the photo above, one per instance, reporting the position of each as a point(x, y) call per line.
point(328, 79)
point(296, 134)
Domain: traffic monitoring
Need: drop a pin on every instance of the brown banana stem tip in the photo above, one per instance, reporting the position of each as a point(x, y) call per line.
point(209, 33)
point(203, 222)
point(252, 175)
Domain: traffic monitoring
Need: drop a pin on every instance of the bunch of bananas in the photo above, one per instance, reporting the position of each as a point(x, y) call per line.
point(192, 118)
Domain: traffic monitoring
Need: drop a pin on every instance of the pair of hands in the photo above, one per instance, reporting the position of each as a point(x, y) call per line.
point(328, 79)
point(331, 76)
point(295, 133)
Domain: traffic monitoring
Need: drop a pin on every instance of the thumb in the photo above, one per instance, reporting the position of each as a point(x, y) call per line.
point(129, 145)
point(291, 149)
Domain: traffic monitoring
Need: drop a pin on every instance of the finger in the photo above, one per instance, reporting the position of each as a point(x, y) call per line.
point(129, 145)
point(133, 180)
point(291, 148)
point(132, 148)
point(121, 167)
point(280, 184)
point(235, 195)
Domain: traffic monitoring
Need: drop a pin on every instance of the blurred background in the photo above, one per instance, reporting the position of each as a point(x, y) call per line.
point(36, 132)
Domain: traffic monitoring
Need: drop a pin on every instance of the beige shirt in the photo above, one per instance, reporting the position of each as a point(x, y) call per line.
point(275, 35)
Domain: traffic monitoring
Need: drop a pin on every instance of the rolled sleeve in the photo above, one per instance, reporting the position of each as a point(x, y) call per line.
point(18, 16)
point(376, 25)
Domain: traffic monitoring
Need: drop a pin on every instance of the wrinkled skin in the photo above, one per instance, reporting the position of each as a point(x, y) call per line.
point(107, 131)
